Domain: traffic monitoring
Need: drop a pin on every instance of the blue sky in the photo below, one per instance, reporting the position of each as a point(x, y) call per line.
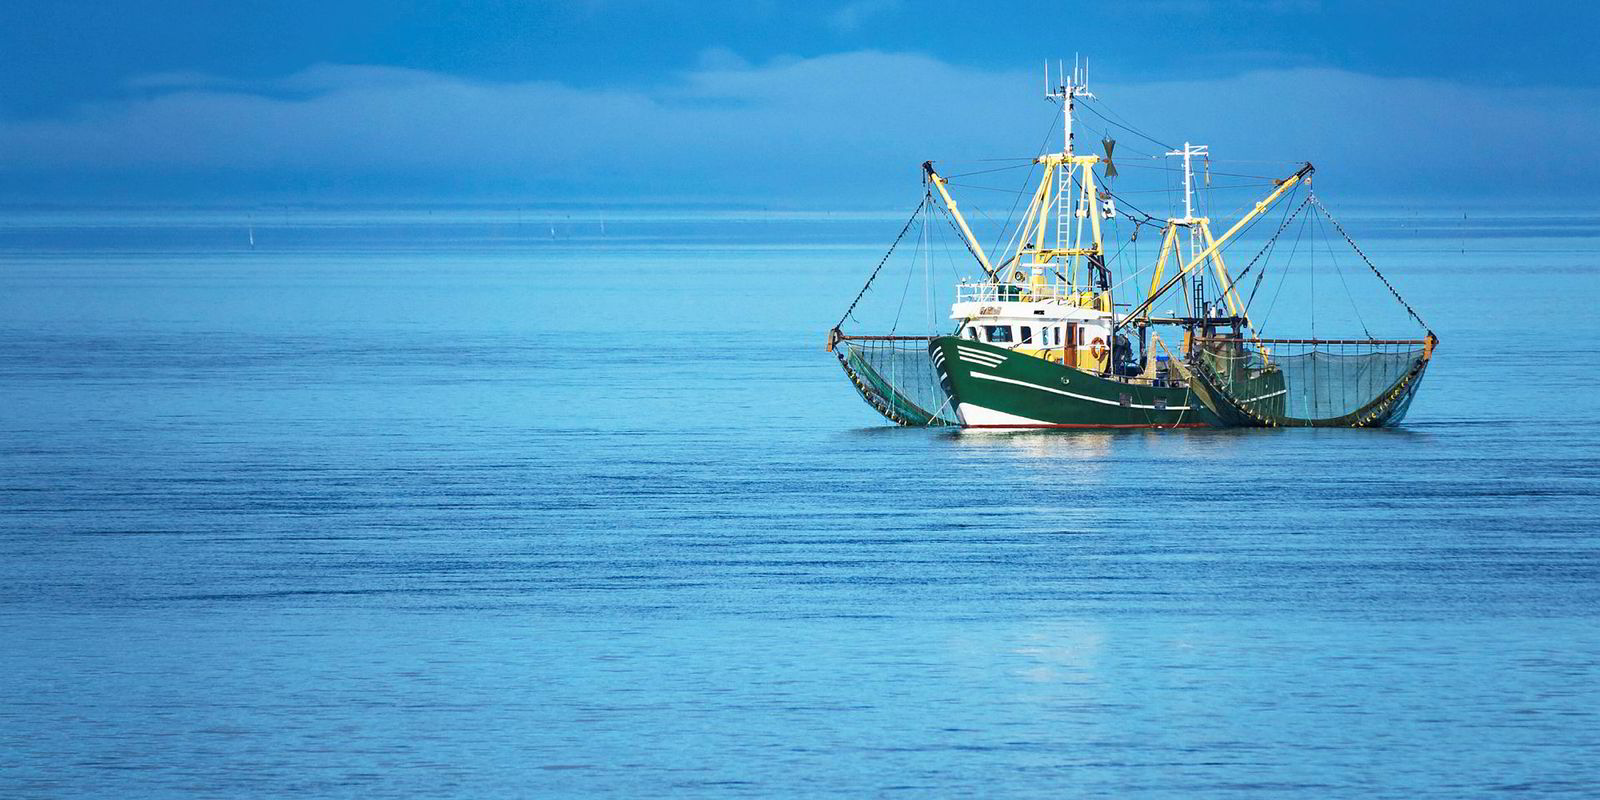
point(784, 103)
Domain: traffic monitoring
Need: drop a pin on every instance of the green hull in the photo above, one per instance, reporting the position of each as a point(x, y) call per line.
point(991, 387)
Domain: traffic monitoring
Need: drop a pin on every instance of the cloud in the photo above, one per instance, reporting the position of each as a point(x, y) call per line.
point(853, 15)
point(719, 125)
point(851, 126)
point(177, 80)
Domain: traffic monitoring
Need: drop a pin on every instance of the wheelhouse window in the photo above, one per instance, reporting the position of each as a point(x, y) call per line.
point(1027, 335)
point(972, 333)
point(999, 334)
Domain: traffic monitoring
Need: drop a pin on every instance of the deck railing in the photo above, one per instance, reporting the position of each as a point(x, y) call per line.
point(1008, 292)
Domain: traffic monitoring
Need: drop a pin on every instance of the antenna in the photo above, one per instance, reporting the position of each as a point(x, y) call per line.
point(1067, 91)
point(1070, 87)
point(1188, 152)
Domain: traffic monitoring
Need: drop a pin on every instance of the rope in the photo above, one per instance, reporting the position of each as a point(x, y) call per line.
point(1340, 228)
point(884, 260)
point(1149, 219)
point(1027, 181)
point(915, 254)
point(987, 171)
point(1261, 326)
point(1339, 271)
point(1129, 128)
point(951, 221)
point(1273, 240)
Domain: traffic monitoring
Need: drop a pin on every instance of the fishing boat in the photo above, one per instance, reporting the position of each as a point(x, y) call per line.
point(1052, 336)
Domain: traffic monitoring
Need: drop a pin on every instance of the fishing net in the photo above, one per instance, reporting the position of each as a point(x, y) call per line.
point(896, 377)
point(892, 371)
point(1310, 382)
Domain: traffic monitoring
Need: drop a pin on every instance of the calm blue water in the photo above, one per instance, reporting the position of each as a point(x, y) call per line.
point(416, 505)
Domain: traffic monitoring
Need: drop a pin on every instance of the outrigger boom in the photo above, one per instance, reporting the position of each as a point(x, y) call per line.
point(1213, 246)
point(950, 203)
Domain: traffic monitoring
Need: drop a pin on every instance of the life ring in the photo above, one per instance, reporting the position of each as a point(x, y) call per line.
point(1097, 348)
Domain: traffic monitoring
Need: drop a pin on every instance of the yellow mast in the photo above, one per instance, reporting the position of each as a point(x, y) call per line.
point(1061, 171)
point(1215, 245)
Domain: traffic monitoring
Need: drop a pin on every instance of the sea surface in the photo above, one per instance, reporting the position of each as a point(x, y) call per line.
point(412, 503)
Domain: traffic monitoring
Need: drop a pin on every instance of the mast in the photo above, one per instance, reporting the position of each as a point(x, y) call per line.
point(1067, 92)
point(1072, 207)
point(1215, 245)
point(1188, 152)
point(1196, 227)
point(1200, 240)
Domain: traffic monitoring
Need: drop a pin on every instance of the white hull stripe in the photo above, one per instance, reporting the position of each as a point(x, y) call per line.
point(1070, 394)
point(978, 358)
point(981, 354)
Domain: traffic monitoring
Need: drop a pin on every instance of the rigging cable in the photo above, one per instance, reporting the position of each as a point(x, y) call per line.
point(915, 254)
point(1370, 265)
point(1289, 262)
point(1267, 250)
point(1128, 128)
point(1149, 219)
point(986, 171)
point(1272, 242)
point(1178, 171)
point(1328, 246)
point(884, 260)
point(950, 220)
point(1026, 182)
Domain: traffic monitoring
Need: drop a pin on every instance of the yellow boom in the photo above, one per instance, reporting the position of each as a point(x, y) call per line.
point(950, 203)
point(1213, 246)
